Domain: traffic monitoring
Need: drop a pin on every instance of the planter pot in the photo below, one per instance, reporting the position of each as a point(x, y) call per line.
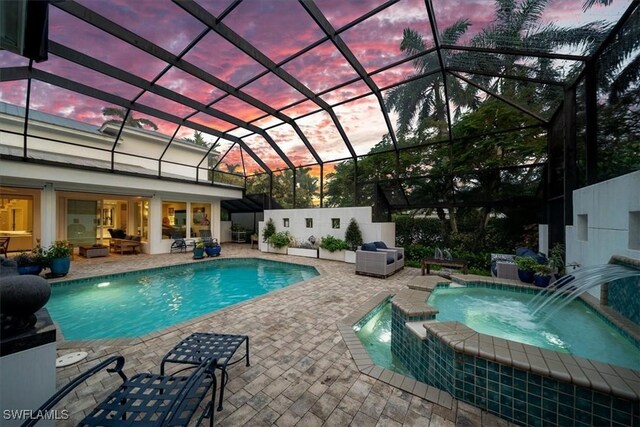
point(20, 298)
point(60, 266)
point(335, 256)
point(350, 257)
point(525, 276)
point(274, 250)
point(30, 269)
point(541, 281)
point(309, 253)
point(213, 250)
point(198, 253)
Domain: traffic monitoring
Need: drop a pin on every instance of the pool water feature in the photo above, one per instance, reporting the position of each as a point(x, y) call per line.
point(375, 334)
point(137, 303)
point(507, 314)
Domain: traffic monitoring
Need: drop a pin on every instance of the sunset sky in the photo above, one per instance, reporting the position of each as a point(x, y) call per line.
point(278, 29)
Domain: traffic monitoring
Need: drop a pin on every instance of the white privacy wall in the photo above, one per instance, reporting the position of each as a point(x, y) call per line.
point(606, 221)
point(322, 224)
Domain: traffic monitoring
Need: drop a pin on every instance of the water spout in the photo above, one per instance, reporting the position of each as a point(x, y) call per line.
point(570, 287)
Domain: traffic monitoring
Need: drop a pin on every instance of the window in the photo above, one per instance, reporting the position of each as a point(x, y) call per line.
point(583, 227)
point(174, 220)
point(309, 222)
point(335, 222)
point(634, 230)
point(285, 222)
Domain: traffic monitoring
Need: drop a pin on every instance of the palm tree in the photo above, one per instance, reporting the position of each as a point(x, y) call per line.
point(423, 99)
point(121, 115)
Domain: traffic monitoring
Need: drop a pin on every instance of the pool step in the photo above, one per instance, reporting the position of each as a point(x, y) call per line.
point(418, 328)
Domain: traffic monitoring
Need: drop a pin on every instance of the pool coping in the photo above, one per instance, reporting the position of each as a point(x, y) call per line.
point(365, 364)
point(602, 377)
point(65, 344)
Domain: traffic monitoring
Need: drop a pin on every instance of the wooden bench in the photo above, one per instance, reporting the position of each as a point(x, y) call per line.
point(452, 263)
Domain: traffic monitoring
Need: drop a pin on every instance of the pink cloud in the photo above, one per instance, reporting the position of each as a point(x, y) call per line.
point(137, 16)
point(346, 92)
point(364, 123)
point(238, 108)
point(321, 68)
point(14, 92)
point(222, 59)
point(189, 86)
point(340, 13)
point(291, 144)
point(212, 122)
point(273, 91)
point(163, 104)
point(76, 34)
point(301, 109)
point(8, 59)
point(263, 150)
point(323, 136)
point(276, 28)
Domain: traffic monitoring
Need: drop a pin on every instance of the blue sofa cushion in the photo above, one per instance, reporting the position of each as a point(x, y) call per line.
point(369, 247)
point(380, 245)
point(400, 256)
point(390, 259)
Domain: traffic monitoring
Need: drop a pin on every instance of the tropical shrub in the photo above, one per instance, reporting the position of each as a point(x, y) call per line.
point(269, 230)
point(353, 235)
point(280, 239)
point(333, 244)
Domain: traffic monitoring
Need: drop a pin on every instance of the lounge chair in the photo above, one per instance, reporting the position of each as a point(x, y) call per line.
point(4, 245)
point(179, 244)
point(146, 399)
point(205, 236)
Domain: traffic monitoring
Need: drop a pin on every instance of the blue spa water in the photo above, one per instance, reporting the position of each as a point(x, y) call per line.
point(375, 336)
point(135, 304)
point(576, 329)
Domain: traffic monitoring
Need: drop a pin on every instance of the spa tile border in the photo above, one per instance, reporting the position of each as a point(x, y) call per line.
point(368, 367)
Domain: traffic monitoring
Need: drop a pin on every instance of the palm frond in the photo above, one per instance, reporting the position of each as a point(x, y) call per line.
point(588, 4)
point(146, 122)
point(629, 76)
point(452, 34)
point(528, 14)
point(116, 112)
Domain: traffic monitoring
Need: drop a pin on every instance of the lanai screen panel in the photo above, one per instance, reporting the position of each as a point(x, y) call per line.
point(388, 26)
point(273, 91)
point(79, 35)
point(136, 16)
point(237, 108)
point(13, 100)
point(289, 142)
point(192, 87)
point(78, 117)
point(346, 93)
point(364, 124)
point(324, 136)
point(228, 63)
point(278, 29)
point(265, 152)
point(144, 144)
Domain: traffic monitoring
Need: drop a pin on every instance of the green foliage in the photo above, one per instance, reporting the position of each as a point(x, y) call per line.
point(333, 244)
point(27, 259)
point(268, 230)
point(556, 258)
point(199, 245)
point(280, 239)
point(526, 263)
point(59, 249)
point(353, 235)
point(307, 188)
point(237, 227)
point(543, 270)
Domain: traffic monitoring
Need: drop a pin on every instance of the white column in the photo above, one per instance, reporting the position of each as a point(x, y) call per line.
point(543, 238)
point(155, 226)
point(215, 220)
point(48, 213)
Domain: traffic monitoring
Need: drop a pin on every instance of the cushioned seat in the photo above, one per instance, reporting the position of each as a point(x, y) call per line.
point(374, 262)
point(397, 252)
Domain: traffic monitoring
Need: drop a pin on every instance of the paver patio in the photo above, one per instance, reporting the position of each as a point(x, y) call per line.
point(301, 371)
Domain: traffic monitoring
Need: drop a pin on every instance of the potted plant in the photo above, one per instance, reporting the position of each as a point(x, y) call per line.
point(212, 248)
point(280, 241)
point(198, 250)
point(332, 248)
point(556, 259)
point(353, 239)
point(526, 268)
point(30, 262)
point(58, 258)
point(542, 275)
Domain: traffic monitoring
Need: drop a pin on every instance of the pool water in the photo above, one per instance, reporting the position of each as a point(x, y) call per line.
point(375, 336)
point(576, 329)
point(137, 303)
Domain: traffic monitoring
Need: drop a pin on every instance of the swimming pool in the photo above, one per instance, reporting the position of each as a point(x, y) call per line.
point(576, 329)
point(137, 303)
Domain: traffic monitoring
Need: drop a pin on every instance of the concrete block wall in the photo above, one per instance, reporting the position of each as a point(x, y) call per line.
point(606, 221)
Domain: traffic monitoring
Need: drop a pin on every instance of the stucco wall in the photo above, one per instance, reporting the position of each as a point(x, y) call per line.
point(323, 223)
point(604, 217)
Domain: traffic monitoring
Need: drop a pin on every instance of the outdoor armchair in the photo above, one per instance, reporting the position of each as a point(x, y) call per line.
point(398, 253)
point(373, 262)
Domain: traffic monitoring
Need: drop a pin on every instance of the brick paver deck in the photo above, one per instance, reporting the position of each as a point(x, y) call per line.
point(301, 371)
